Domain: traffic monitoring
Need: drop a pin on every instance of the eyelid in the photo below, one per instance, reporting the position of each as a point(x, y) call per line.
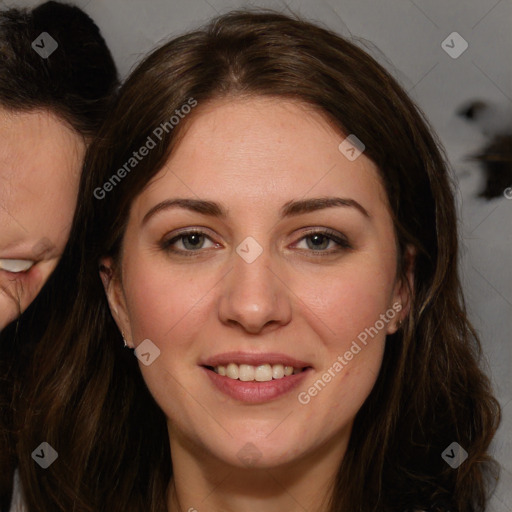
point(337, 237)
point(186, 231)
point(170, 239)
point(325, 231)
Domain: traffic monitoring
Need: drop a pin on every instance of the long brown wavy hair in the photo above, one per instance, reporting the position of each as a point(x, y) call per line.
point(84, 394)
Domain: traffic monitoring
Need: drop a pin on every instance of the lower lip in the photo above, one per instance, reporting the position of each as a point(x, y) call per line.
point(256, 392)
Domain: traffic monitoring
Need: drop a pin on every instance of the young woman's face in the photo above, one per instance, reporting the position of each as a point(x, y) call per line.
point(40, 163)
point(260, 285)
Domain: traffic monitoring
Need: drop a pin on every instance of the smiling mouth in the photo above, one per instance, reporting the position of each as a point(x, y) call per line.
point(260, 373)
point(16, 266)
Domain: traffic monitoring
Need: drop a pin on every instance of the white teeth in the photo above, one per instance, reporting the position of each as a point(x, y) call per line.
point(16, 266)
point(246, 372)
point(278, 371)
point(261, 373)
point(232, 371)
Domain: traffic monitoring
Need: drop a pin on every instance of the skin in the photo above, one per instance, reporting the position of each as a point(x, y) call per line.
point(253, 156)
point(40, 164)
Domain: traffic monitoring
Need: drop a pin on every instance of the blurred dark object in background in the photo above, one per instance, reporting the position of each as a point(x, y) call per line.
point(495, 157)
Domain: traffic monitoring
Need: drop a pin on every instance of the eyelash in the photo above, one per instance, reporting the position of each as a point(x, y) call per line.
point(343, 244)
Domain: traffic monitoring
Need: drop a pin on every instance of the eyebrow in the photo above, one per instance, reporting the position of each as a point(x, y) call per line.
point(289, 209)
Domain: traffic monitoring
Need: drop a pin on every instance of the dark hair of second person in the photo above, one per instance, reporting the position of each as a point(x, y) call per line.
point(51, 106)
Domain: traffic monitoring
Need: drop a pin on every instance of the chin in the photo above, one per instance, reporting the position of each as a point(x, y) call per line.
point(246, 451)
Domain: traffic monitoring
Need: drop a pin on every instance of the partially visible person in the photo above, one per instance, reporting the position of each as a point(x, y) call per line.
point(57, 80)
point(50, 107)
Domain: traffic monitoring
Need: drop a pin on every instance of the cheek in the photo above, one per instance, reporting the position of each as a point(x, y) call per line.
point(162, 304)
point(160, 309)
point(349, 391)
point(20, 290)
point(350, 311)
point(8, 307)
point(163, 309)
point(343, 383)
point(350, 300)
point(60, 210)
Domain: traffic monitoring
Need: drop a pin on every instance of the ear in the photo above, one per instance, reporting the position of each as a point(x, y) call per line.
point(402, 296)
point(115, 297)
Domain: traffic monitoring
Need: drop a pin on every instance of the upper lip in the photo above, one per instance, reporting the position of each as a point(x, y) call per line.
point(254, 359)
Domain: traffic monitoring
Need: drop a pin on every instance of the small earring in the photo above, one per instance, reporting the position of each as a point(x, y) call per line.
point(399, 324)
point(124, 340)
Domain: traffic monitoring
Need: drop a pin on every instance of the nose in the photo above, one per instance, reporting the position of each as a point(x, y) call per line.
point(254, 296)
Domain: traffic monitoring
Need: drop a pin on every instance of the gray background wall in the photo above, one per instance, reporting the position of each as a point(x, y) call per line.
point(407, 37)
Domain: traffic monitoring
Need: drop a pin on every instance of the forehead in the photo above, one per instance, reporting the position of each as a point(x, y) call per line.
point(26, 136)
point(261, 148)
point(40, 163)
point(35, 147)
